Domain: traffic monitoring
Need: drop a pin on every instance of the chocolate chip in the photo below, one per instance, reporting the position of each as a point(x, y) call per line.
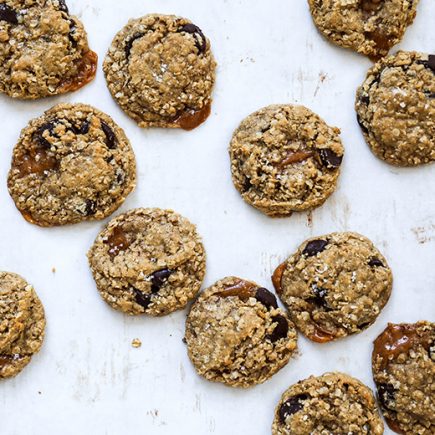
point(363, 127)
point(129, 43)
point(314, 247)
point(184, 340)
point(375, 262)
point(200, 41)
point(330, 159)
point(430, 63)
point(158, 278)
point(8, 14)
point(38, 135)
point(267, 298)
point(292, 406)
point(365, 99)
point(386, 394)
point(91, 207)
point(141, 298)
point(247, 185)
point(62, 6)
point(84, 129)
point(319, 297)
point(72, 31)
point(281, 329)
point(429, 94)
point(110, 136)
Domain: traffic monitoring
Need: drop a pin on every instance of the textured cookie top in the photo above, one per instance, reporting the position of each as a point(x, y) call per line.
point(237, 335)
point(71, 164)
point(370, 27)
point(284, 158)
point(161, 71)
point(43, 49)
point(148, 261)
point(15, 299)
point(396, 108)
point(334, 403)
point(334, 285)
point(404, 372)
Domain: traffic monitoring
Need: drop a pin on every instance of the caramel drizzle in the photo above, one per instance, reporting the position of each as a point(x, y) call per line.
point(277, 277)
point(87, 68)
point(242, 289)
point(294, 157)
point(36, 162)
point(117, 241)
point(395, 340)
point(191, 119)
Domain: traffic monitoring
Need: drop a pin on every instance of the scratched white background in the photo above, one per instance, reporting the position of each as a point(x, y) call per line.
point(87, 378)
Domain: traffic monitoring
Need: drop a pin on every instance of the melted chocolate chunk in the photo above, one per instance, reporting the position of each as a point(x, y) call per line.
point(62, 6)
point(386, 394)
point(39, 134)
point(292, 406)
point(247, 185)
point(91, 207)
point(281, 329)
point(365, 99)
point(314, 247)
point(8, 14)
point(375, 262)
point(141, 298)
point(319, 297)
point(83, 129)
point(110, 136)
point(200, 41)
point(129, 43)
point(72, 31)
point(363, 127)
point(158, 278)
point(430, 63)
point(330, 159)
point(429, 94)
point(267, 298)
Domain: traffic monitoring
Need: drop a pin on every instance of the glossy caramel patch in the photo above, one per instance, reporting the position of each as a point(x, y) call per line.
point(37, 161)
point(192, 119)
point(294, 157)
point(117, 241)
point(277, 277)
point(241, 289)
point(320, 336)
point(87, 68)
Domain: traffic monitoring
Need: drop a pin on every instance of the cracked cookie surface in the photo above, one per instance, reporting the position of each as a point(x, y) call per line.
point(370, 27)
point(43, 49)
point(333, 403)
point(161, 71)
point(72, 164)
point(148, 261)
point(403, 364)
point(334, 285)
point(284, 158)
point(396, 108)
point(237, 335)
point(17, 350)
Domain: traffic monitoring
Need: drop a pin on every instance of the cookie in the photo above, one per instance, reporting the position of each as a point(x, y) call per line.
point(237, 335)
point(161, 71)
point(148, 261)
point(16, 352)
point(396, 108)
point(333, 403)
point(43, 50)
point(72, 164)
point(403, 363)
point(284, 158)
point(334, 285)
point(370, 27)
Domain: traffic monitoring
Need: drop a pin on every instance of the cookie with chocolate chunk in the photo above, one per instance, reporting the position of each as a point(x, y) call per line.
point(43, 49)
point(285, 158)
point(148, 261)
point(237, 335)
point(334, 285)
point(161, 71)
point(333, 403)
point(22, 324)
point(396, 108)
point(72, 164)
point(403, 364)
point(370, 27)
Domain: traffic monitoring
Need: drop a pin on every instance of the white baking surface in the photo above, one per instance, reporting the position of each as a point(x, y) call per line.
point(88, 379)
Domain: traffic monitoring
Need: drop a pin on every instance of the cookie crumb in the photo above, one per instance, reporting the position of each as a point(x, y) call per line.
point(136, 343)
point(53, 270)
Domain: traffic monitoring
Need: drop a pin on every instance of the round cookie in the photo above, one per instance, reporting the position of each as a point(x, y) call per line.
point(237, 335)
point(148, 261)
point(403, 363)
point(333, 403)
point(396, 108)
point(161, 71)
point(72, 164)
point(370, 27)
point(16, 354)
point(43, 50)
point(284, 158)
point(334, 285)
